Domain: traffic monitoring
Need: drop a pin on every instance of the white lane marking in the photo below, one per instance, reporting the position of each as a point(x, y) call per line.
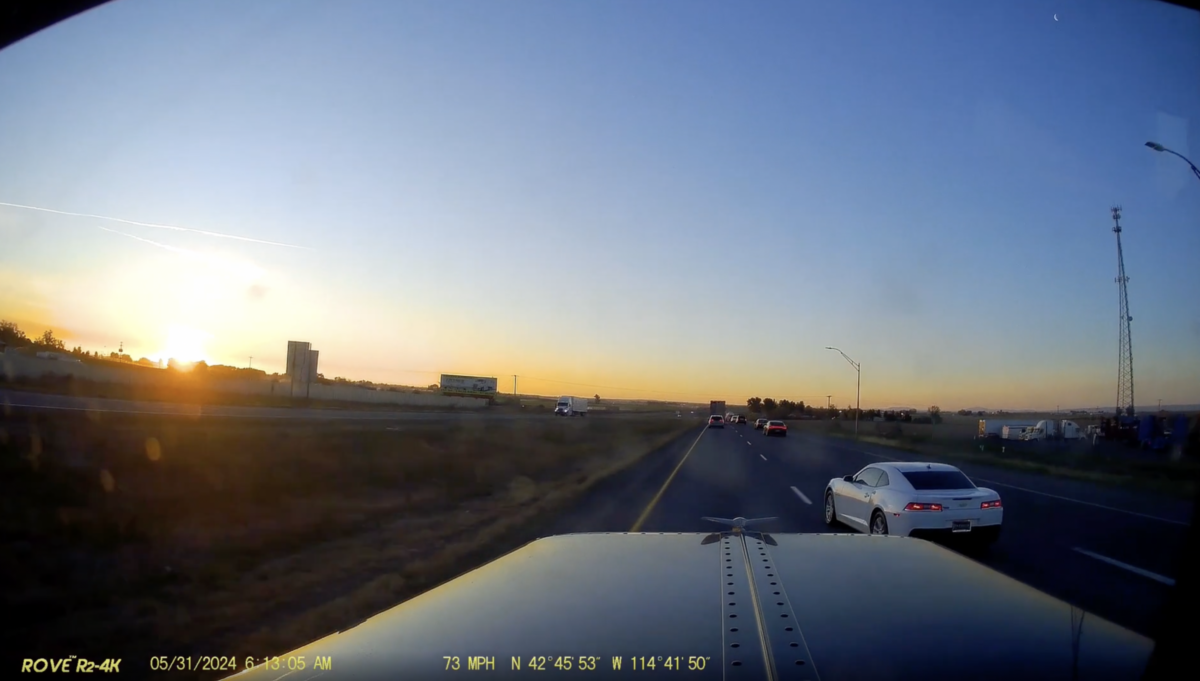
point(1086, 503)
point(802, 497)
point(762, 457)
point(1126, 566)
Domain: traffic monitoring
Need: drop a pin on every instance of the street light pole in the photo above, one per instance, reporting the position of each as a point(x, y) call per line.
point(858, 387)
point(1158, 147)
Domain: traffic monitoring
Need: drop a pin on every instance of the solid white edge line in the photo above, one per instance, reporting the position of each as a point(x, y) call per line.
point(802, 497)
point(1085, 503)
point(1126, 566)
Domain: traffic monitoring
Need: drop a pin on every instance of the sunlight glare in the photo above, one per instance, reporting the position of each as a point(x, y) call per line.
point(185, 344)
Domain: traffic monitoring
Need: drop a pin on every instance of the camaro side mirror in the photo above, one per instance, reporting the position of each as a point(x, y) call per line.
point(848, 478)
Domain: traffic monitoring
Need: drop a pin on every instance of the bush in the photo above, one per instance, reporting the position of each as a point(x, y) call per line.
point(888, 429)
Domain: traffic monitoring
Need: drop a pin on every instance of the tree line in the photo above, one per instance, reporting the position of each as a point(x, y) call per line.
point(787, 409)
point(11, 334)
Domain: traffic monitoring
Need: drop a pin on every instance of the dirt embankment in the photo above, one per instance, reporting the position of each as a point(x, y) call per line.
point(135, 536)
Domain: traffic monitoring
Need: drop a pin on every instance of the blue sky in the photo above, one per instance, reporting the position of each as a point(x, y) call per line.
point(670, 199)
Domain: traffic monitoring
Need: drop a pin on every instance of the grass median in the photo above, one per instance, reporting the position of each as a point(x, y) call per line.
point(173, 535)
point(1107, 464)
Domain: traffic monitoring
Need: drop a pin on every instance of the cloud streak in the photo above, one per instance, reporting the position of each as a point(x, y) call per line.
point(155, 225)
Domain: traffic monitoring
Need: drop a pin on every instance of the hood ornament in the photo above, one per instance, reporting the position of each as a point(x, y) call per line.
point(738, 526)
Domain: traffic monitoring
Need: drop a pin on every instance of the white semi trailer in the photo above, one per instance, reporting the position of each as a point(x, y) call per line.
point(571, 406)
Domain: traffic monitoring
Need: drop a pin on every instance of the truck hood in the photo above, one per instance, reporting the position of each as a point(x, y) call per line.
point(730, 606)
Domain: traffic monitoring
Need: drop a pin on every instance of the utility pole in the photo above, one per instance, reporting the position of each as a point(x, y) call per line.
point(858, 386)
point(827, 400)
point(514, 384)
point(1125, 402)
point(251, 361)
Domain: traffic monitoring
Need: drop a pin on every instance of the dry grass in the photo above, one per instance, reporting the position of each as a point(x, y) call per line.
point(186, 389)
point(170, 534)
point(955, 440)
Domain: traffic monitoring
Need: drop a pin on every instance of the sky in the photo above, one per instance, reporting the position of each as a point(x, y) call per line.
point(682, 199)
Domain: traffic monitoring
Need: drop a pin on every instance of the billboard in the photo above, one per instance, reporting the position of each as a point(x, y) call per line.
point(301, 368)
point(297, 359)
point(473, 386)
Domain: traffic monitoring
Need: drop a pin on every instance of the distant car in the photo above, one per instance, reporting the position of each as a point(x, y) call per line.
point(775, 428)
point(716, 421)
point(914, 499)
point(741, 419)
point(758, 425)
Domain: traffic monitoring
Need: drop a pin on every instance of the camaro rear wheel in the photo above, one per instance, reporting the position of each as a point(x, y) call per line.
point(830, 511)
point(878, 523)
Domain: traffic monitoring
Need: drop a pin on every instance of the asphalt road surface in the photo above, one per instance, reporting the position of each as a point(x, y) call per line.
point(1109, 551)
point(50, 402)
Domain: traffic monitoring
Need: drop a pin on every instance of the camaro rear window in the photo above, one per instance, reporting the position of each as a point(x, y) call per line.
point(938, 480)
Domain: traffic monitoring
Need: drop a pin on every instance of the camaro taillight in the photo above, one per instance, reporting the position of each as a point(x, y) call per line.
point(990, 504)
point(923, 507)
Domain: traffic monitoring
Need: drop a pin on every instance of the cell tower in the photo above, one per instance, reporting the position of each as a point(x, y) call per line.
point(1125, 360)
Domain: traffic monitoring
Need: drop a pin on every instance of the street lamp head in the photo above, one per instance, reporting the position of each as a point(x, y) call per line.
point(1155, 146)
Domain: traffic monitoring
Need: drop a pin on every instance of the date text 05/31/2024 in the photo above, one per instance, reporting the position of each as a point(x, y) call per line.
point(584, 663)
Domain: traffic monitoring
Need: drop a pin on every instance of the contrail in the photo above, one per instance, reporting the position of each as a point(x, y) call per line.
point(156, 226)
point(194, 255)
point(174, 249)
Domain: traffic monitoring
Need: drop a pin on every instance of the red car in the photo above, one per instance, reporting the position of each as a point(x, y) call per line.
point(775, 428)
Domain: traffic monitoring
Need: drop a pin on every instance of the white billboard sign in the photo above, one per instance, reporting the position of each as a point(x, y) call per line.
point(468, 385)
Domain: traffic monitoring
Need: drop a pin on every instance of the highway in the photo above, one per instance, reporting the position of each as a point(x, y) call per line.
point(1110, 551)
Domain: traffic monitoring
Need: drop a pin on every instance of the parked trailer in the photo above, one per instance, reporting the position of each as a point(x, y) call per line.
point(994, 428)
point(1054, 430)
point(1013, 432)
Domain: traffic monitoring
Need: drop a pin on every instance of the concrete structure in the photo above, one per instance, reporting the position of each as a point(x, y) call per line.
point(301, 368)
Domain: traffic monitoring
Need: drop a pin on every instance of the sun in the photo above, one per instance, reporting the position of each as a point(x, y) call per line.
point(185, 344)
